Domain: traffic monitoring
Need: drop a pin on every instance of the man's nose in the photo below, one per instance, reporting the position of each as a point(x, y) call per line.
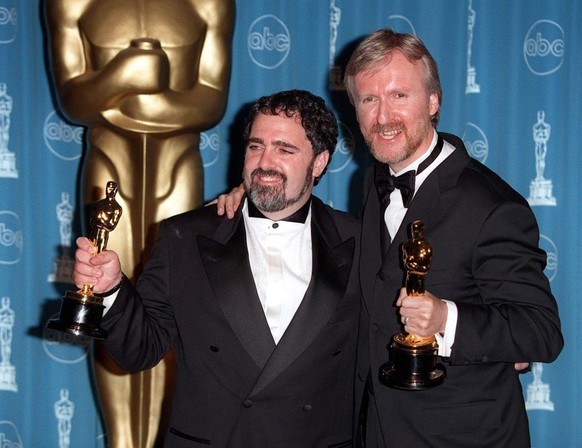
point(267, 159)
point(383, 112)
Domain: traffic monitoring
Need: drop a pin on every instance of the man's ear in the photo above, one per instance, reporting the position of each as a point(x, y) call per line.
point(433, 104)
point(320, 163)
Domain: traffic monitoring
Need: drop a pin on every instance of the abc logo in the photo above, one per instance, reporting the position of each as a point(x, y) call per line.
point(63, 140)
point(543, 47)
point(210, 147)
point(65, 348)
point(476, 142)
point(11, 238)
point(268, 42)
point(344, 150)
point(552, 257)
point(401, 24)
point(7, 24)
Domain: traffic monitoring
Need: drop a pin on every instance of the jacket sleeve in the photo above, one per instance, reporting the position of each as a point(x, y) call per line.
point(516, 318)
point(140, 324)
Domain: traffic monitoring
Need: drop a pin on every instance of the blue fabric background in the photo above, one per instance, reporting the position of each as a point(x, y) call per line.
point(501, 69)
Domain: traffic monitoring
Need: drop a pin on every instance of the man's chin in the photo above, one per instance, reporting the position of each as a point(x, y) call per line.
point(379, 155)
point(265, 201)
point(268, 207)
point(387, 152)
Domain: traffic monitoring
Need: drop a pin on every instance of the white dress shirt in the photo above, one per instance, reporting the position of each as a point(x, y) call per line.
point(281, 262)
point(394, 215)
point(280, 256)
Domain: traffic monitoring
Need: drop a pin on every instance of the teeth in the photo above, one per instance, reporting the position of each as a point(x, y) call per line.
point(268, 178)
point(388, 134)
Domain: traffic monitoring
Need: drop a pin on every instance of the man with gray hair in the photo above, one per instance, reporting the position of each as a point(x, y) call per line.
point(487, 300)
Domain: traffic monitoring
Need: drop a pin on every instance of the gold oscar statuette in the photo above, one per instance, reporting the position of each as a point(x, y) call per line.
point(412, 364)
point(82, 310)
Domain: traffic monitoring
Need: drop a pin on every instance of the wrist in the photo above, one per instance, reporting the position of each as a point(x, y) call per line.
point(110, 291)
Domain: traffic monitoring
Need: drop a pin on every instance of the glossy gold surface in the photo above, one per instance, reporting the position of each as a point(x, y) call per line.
point(145, 77)
point(81, 311)
point(104, 217)
point(412, 364)
point(417, 259)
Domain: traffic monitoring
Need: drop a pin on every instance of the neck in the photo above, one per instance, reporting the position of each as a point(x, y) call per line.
point(296, 213)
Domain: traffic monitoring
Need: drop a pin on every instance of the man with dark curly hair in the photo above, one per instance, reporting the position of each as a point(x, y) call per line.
point(262, 309)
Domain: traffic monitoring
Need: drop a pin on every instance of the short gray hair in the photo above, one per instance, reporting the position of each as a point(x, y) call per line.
point(371, 52)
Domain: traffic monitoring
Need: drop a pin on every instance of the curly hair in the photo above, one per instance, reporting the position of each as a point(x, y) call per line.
point(318, 121)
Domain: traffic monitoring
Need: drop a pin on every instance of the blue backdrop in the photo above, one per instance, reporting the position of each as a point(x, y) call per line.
point(512, 82)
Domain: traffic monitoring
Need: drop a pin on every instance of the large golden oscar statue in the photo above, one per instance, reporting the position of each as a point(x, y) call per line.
point(413, 359)
point(145, 77)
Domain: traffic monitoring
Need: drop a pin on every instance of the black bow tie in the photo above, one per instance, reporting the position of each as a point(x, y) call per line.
point(386, 182)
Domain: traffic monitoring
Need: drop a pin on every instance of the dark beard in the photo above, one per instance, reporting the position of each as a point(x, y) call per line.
point(272, 198)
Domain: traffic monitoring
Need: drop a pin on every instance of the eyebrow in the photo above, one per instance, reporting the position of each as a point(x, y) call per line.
point(281, 143)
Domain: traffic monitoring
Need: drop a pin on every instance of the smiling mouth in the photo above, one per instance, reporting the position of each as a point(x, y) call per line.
point(262, 176)
point(389, 134)
point(267, 179)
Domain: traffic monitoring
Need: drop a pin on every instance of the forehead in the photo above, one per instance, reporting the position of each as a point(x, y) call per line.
point(278, 125)
point(395, 67)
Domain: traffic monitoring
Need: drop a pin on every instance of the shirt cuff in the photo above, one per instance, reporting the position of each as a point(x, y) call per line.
point(447, 339)
point(110, 296)
point(108, 301)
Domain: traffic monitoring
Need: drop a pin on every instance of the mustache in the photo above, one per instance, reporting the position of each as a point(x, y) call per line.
point(378, 128)
point(270, 173)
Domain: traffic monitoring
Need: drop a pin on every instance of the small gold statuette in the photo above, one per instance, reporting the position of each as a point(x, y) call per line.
point(412, 364)
point(82, 310)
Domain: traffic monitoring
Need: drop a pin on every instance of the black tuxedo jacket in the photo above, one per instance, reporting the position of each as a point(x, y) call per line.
point(485, 259)
point(235, 387)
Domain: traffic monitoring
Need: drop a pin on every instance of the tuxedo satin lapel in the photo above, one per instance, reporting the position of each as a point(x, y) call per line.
point(371, 252)
point(332, 264)
point(429, 202)
point(425, 207)
point(228, 269)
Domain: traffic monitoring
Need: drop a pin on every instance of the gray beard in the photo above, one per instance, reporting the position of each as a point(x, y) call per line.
point(272, 198)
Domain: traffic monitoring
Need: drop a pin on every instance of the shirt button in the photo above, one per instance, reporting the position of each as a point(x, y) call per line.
point(248, 403)
point(275, 225)
point(307, 407)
